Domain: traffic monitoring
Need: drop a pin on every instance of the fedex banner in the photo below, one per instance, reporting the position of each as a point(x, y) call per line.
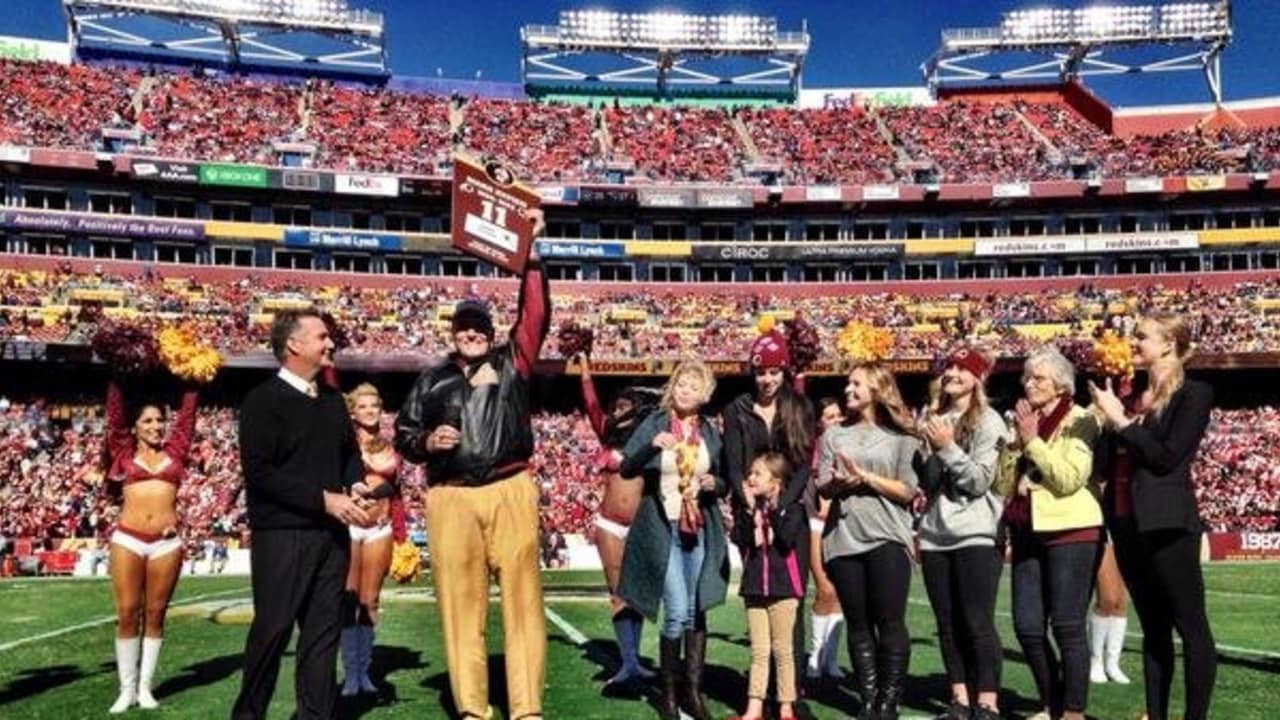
point(380, 185)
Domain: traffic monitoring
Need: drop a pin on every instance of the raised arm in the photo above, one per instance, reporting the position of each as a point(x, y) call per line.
point(183, 431)
point(533, 318)
point(120, 442)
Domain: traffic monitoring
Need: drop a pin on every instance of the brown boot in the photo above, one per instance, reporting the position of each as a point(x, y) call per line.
point(695, 656)
point(668, 670)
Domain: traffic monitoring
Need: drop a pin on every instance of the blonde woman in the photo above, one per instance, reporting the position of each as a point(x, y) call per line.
point(1151, 511)
point(370, 546)
point(963, 437)
point(1055, 530)
point(867, 469)
point(676, 551)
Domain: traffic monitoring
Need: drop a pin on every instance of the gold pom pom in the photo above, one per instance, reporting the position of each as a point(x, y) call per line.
point(1113, 355)
point(406, 563)
point(766, 324)
point(861, 342)
point(186, 358)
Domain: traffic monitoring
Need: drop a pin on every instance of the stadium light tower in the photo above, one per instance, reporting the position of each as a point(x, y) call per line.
point(1193, 34)
point(661, 48)
point(233, 31)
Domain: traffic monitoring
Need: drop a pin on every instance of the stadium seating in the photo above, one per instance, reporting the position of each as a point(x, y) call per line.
point(716, 323)
point(207, 117)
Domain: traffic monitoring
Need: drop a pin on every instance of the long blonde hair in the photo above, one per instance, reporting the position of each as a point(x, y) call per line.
point(890, 410)
point(1177, 331)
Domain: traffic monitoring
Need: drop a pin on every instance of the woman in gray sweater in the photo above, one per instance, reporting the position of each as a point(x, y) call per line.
point(961, 567)
point(866, 468)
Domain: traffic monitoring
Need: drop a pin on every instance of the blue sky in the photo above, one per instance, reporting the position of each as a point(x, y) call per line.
point(860, 43)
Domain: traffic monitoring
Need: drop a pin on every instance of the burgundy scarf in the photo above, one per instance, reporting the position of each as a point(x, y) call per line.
point(1017, 510)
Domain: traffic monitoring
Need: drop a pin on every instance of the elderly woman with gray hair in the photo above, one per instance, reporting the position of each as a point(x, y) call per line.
point(1055, 530)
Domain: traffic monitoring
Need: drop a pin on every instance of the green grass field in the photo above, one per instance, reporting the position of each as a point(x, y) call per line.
point(56, 654)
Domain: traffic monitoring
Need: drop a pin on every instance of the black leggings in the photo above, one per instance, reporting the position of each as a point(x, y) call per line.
point(1162, 571)
point(962, 587)
point(873, 588)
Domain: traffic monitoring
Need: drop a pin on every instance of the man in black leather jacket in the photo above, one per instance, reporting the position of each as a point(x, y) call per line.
point(468, 420)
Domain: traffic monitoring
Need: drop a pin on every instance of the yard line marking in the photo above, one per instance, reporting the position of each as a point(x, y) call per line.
point(1232, 593)
point(1269, 654)
point(574, 634)
point(104, 620)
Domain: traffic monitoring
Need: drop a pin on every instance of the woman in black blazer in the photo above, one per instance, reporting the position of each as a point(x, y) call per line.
point(1150, 503)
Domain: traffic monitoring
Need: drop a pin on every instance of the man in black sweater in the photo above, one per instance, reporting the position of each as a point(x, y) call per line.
point(299, 454)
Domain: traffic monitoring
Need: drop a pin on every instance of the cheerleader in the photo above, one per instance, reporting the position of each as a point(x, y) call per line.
point(147, 458)
point(825, 622)
point(1151, 511)
point(617, 509)
point(370, 546)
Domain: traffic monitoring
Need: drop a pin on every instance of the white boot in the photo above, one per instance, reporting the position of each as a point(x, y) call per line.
point(366, 659)
point(150, 656)
point(831, 648)
point(1115, 646)
point(127, 668)
point(348, 644)
point(1099, 630)
point(817, 639)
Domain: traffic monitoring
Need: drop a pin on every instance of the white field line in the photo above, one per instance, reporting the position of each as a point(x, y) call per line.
point(1269, 654)
point(104, 620)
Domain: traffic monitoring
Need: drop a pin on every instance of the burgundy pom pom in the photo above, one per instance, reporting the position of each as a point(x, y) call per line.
point(575, 339)
point(803, 342)
point(128, 349)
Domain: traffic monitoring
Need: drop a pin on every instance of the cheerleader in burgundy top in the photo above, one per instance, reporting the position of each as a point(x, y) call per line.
point(370, 546)
point(148, 460)
point(617, 508)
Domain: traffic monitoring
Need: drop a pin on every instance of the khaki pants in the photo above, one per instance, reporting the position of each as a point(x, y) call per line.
point(475, 531)
point(771, 626)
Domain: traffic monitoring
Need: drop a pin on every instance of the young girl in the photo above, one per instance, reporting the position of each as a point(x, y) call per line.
point(770, 531)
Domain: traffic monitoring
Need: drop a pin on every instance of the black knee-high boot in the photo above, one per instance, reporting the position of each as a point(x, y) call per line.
point(669, 669)
point(695, 656)
point(893, 673)
point(862, 655)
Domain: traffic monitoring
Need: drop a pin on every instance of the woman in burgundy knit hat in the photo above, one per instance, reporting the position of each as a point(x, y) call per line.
point(776, 417)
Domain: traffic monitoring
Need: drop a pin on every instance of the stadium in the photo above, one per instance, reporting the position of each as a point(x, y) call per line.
point(696, 194)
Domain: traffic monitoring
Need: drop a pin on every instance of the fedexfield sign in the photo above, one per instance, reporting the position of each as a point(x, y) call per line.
point(249, 176)
point(30, 49)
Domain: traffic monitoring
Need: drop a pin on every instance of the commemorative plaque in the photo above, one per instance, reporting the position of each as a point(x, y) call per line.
point(488, 218)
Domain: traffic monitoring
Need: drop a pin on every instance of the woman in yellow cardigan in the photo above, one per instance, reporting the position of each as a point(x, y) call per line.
point(1055, 530)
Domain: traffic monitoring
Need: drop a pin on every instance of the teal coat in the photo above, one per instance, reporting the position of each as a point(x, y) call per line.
point(644, 562)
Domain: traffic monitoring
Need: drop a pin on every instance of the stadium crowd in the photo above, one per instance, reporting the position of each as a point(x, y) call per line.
point(628, 323)
point(206, 116)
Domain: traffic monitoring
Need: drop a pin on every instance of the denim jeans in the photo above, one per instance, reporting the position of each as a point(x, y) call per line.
point(1052, 585)
point(680, 587)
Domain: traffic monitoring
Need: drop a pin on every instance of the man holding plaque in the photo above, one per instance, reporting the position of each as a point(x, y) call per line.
point(468, 421)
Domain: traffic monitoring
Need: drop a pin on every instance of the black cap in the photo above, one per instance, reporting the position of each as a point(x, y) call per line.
point(473, 315)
